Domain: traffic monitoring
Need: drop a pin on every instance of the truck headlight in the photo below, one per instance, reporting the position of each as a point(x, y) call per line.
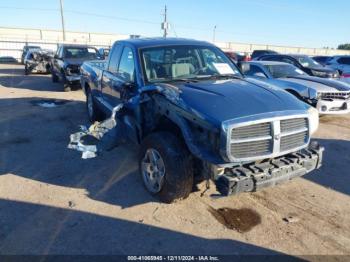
point(318, 73)
point(313, 94)
point(314, 119)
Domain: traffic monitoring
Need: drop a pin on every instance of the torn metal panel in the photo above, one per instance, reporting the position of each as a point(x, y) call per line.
point(102, 135)
point(38, 61)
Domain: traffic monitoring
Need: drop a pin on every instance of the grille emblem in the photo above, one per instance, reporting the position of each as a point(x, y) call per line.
point(277, 137)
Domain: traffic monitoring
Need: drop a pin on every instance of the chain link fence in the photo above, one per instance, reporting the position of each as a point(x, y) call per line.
point(12, 41)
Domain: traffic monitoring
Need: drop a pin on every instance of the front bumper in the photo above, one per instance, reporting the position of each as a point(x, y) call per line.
point(333, 107)
point(255, 176)
point(73, 78)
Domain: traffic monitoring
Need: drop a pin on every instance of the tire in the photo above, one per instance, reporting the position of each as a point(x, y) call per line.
point(67, 88)
point(26, 71)
point(94, 114)
point(177, 179)
point(54, 77)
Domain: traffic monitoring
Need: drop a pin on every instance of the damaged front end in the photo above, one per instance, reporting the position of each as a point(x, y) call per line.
point(255, 176)
point(38, 61)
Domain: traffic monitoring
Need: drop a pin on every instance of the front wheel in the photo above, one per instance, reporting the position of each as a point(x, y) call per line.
point(54, 77)
point(26, 70)
point(166, 167)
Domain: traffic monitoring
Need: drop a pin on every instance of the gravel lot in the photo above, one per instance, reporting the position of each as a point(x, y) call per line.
point(54, 202)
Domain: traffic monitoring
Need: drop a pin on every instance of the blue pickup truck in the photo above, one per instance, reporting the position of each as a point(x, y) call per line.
point(197, 118)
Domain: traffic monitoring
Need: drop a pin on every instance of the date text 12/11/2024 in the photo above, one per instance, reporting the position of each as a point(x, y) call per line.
point(173, 258)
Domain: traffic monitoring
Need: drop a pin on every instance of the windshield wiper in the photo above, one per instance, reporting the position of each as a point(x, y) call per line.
point(187, 80)
point(226, 76)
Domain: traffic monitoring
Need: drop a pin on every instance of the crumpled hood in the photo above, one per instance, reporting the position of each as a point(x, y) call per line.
point(221, 100)
point(319, 84)
point(324, 69)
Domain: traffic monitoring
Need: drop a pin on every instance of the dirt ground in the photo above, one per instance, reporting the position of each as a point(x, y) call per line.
point(54, 202)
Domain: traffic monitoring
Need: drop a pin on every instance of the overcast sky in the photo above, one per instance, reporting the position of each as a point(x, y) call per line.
point(308, 23)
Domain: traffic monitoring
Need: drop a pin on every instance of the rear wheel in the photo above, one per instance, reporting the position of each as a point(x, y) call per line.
point(94, 113)
point(166, 167)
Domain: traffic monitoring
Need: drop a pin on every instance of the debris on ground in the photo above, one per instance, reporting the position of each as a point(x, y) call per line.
point(99, 136)
point(241, 220)
point(71, 204)
point(292, 218)
point(48, 103)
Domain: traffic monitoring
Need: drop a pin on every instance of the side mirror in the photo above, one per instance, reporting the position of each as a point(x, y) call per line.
point(56, 56)
point(129, 85)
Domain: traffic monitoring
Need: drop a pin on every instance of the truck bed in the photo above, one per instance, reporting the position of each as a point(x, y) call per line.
point(91, 73)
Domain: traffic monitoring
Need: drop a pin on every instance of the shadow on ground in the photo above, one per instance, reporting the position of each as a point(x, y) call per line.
point(15, 78)
point(34, 145)
point(37, 229)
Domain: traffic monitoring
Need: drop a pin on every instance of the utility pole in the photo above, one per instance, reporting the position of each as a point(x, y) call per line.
point(214, 34)
point(62, 20)
point(165, 24)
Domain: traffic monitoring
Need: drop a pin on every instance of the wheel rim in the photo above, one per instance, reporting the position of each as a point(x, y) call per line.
point(153, 170)
point(90, 105)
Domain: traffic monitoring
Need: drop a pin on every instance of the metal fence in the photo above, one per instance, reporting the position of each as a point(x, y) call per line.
point(13, 49)
point(12, 41)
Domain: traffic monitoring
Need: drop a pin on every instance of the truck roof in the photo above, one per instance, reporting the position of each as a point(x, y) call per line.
point(161, 41)
point(265, 62)
point(75, 45)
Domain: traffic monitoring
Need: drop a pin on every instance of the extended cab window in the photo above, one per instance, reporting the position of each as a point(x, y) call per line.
point(126, 69)
point(114, 59)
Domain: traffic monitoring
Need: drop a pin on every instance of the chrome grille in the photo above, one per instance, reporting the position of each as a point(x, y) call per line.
point(293, 141)
point(257, 130)
point(288, 125)
point(251, 149)
point(267, 139)
point(335, 95)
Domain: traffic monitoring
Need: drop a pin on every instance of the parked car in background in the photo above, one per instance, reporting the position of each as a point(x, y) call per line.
point(104, 52)
point(321, 59)
point(194, 113)
point(305, 63)
point(38, 60)
point(237, 57)
point(65, 66)
point(329, 96)
point(8, 60)
point(26, 48)
point(340, 63)
point(258, 53)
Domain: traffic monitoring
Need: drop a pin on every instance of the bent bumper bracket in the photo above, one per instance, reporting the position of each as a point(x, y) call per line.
point(255, 176)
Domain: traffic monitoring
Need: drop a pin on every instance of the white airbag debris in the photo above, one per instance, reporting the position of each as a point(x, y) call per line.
point(95, 132)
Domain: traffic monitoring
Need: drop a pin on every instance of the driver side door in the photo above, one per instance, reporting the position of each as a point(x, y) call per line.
point(119, 75)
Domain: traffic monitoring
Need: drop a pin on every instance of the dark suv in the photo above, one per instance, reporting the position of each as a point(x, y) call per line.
point(258, 53)
point(66, 64)
point(304, 63)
